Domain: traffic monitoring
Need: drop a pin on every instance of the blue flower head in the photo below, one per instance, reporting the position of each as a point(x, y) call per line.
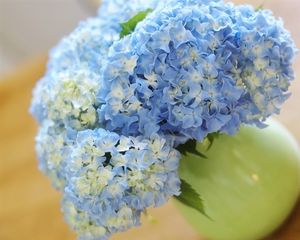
point(113, 179)
point(189, 70)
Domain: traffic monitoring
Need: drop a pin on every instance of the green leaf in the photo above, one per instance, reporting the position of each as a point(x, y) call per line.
point(211, 138)
point(260, 7)
point(191, 198)
point(190, 147)
point(129, 26)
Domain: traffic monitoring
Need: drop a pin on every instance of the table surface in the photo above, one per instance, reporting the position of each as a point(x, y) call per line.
point(30, 207)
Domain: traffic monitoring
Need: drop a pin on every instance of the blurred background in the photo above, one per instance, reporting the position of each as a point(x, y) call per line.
point(31, 27)
point(29, 206)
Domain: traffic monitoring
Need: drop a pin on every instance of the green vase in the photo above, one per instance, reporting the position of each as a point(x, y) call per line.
point(250, 183)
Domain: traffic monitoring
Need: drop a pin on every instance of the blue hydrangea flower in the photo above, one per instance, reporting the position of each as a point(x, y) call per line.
point(67, 97)
point(192, 68)
point(113, 178)
point(112, 110)
point(85, 46)
point(52, 146)
point(81, 222)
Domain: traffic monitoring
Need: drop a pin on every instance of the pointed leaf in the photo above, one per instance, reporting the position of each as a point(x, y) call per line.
point(191, 198)
point(129, 26)
point(211, 138)
point(190, 147)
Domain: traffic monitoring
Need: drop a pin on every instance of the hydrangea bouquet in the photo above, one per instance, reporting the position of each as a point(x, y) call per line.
point(132, 90)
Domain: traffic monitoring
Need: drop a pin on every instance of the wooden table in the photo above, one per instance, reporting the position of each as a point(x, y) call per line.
point(30, 207)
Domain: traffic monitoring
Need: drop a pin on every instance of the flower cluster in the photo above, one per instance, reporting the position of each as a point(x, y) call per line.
point(51, 143)
point(114, 178)
point(112, 110)
point(189, 70)
point(84, 47)
point(107, 180)
point(71, 101)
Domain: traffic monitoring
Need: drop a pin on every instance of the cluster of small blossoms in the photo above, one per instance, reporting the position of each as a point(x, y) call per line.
point(189, 70)
point(115, 178)
point(81, 222)
point(85, 46)
point(264, 65)
point(71, 100)
point(52, 145)
point(113, 110)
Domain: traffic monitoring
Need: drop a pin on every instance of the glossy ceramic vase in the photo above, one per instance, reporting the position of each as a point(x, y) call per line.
point(250, 183)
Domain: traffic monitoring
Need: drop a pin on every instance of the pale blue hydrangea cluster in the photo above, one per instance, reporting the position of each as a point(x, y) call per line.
point(193, 69)
point(115, 178)
point(112, 111)
point(71, 101)
point(51, 143)
point(108, 180)
point(82, 223)
point(84, 47)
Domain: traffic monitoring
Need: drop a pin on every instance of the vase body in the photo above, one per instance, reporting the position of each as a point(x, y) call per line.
point(250, 183)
